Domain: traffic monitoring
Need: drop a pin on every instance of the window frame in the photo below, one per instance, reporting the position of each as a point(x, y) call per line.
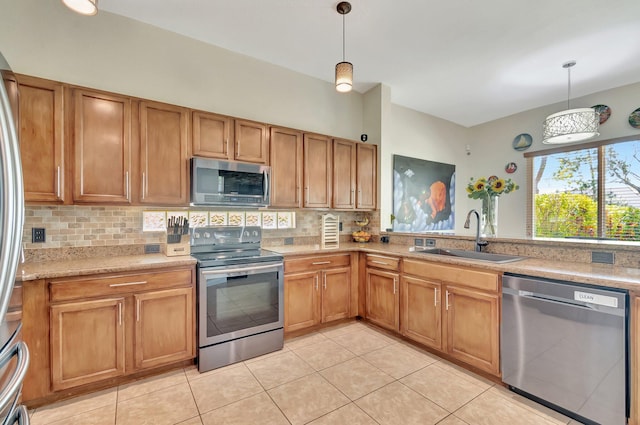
point(529, 156)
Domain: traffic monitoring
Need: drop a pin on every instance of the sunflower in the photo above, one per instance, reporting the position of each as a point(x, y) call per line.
point(479, 185)
point(498, 185)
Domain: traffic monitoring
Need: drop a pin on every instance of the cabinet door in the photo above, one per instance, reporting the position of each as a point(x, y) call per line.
point(212, 135)
point(472, 327)
point(336, 291)
point(252, 142)
point(367, 176)
point(41, 134)
point(286, 167)
point(421, 311)
point(301, 306)
point(164, 327)
point(317, 171)
point(87, 342)
point(163, 154)
point(102, 145)
point(382, 298)
point(344, 174)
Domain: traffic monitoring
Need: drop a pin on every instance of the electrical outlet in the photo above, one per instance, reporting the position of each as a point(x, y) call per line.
point(288, 241)
point(38, 235)
point(340, 227)
point(429, 242)
point(418, 242)
point(152, 248)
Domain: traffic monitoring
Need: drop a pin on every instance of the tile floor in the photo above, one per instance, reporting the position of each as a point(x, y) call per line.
point(349, 374)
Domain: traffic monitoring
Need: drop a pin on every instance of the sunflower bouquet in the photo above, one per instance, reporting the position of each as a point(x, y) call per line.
point(489, 187)
point(488, 190)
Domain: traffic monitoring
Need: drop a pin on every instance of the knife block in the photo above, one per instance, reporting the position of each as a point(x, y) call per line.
point(177, 245)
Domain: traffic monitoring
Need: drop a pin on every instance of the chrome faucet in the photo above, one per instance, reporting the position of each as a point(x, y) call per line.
point(479, 243)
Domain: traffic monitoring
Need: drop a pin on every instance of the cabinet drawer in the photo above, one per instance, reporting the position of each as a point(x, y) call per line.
point(101, 285)
point(322, 262)
point(383, 262)
point(470, 278)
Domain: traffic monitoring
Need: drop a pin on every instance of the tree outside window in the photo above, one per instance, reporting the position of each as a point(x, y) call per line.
point(589, 192)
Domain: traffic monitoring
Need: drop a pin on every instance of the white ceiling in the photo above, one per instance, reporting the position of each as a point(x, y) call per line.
point(466, 61)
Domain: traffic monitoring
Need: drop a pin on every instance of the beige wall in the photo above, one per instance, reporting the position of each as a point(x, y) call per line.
point(106, 51)
point(492, 149)
point(43, 38)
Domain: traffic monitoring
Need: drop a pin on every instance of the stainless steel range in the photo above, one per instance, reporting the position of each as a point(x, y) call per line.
point(240, 295)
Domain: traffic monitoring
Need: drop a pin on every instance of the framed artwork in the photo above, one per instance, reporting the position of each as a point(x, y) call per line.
point(423, 195)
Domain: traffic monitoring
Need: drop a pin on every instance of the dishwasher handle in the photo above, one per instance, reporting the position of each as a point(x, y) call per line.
point(557, 300)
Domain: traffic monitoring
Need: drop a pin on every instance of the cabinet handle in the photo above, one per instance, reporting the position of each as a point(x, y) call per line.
point(58, 177)
point(447, 299)
point(352, 193)
point(395, 284)
point(379, 262)
point(126, 182)
point(119, 314)
point(115, 285)
point(143, 184)
point(138, 310)
point(317, 263)
point(316, 282)
point(324, 278)
point(435, 297)
point(306, 190)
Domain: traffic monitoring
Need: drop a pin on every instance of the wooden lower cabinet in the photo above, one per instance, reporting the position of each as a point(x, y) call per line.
point(421, 311)
point(383, 298)
point(455, 310)
point(473, 327)
point(317, 296)
point(87, 342)
point(164, 327)
point(98, 329)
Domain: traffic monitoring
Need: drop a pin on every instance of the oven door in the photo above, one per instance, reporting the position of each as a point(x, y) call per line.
point(240, 300)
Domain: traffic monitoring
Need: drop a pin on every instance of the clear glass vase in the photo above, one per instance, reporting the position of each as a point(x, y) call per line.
point(490, 217)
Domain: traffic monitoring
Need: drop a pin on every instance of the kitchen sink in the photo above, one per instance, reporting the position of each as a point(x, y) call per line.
point(473, 255)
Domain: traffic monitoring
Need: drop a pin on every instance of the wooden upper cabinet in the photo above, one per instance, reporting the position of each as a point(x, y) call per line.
point(102, 147)
point(41, 133)
point(164, 141)
point(286, 167)
point(252, 142)
point(212, 135)
point(367, 176)
point(344, 174)
point(317, 171)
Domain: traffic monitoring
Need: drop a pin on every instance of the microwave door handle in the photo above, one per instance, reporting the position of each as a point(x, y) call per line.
point(266, 185)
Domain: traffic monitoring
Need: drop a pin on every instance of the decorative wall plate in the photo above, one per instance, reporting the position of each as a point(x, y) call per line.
point(511, 167)
point(522, 142)
point(604, 111)
point(634, 118)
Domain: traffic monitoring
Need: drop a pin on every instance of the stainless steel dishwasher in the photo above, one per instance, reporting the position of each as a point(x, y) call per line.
point(566, 345)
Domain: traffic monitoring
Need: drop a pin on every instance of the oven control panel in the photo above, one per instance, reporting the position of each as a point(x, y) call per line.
point(226, 235)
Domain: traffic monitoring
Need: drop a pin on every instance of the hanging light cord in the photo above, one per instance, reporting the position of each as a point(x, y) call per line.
point(569, 87)
point(343, 38)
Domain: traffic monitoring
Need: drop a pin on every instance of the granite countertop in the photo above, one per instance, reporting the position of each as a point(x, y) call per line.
point(595, 274)
point(87, 266)
point(589, 273)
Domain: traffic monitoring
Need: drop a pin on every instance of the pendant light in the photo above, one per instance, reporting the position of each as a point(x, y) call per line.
point(83, 7)
point(571, 125)
point(344, 70)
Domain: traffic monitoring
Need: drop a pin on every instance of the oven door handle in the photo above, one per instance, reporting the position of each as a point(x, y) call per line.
point(239, 269)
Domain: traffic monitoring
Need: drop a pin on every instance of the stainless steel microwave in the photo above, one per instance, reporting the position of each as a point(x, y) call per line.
point(229, 184)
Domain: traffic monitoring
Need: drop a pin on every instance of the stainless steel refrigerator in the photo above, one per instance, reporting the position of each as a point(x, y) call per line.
point(14, 356)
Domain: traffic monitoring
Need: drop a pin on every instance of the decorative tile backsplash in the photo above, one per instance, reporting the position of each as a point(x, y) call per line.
point(92, 226)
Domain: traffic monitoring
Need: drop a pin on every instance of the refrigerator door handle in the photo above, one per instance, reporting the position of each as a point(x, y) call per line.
point(9, 392)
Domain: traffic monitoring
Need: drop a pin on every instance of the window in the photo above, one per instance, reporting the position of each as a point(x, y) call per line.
point(587, 191)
